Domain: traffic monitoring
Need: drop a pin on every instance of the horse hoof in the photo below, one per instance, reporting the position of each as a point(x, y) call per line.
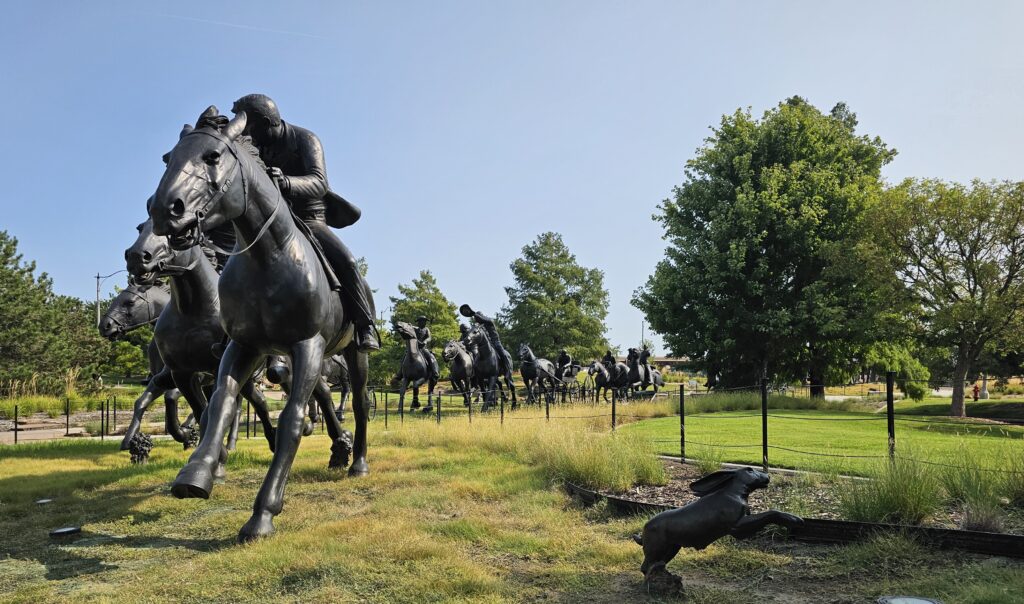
point(124, 443)
point(359, 468)
point(341, 451)
point(307, 427)
point(427, 409)
point(340, 416)
point(257, 527)
point(194, 481)
point(219, 474)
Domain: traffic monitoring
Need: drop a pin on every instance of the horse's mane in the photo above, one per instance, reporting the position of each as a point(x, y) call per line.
point(244, 143)
point(218, 123)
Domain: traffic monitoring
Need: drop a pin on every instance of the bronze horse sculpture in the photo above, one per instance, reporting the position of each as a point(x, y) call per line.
point(133, 307)
point(538, 374)
point(461, 369)
point(188, 332)
point(614, 381)
point(275, 298)
point(414, 370)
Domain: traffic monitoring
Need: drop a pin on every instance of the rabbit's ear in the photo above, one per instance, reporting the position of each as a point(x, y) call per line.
point(712, 482)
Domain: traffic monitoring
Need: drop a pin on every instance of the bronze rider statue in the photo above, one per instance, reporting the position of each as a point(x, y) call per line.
point(425, 339)
point(295, 160)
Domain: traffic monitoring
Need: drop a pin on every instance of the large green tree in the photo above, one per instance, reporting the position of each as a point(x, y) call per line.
point(768, 268)
point(42, 334)
point(555, 303)
point(420, 298)
point(959, 251)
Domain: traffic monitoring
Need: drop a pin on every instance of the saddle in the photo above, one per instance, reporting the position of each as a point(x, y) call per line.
point(332, 277)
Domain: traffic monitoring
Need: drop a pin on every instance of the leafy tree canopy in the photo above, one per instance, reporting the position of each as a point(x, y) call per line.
point(959, 252)
point(555, 303)
point(769, 264)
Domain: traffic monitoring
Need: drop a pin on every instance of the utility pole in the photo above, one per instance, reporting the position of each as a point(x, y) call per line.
point(100, 279)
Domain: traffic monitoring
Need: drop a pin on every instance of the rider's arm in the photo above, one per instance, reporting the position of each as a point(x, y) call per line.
point(312, 183)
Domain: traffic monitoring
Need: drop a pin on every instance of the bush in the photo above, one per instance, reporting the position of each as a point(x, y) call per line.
point(900, 491)
point(750, 400)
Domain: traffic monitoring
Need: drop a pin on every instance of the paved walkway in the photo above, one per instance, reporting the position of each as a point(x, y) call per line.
point(7, 437)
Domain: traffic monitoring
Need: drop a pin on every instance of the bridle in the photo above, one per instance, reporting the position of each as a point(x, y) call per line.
point(220, 189)
point(121, 328)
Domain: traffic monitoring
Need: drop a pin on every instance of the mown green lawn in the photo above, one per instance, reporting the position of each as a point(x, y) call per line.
point(816, 436)
point(449, 513)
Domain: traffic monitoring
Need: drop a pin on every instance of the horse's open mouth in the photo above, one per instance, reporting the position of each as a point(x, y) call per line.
point(146, 278)
point(187, 237)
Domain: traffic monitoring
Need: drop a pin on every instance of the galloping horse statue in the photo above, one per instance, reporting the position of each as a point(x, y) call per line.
point(415, 369)
point(485, 365)
point(461, 369)
point(614, 380)
point(275, 298)
point(135, 306)
point(189, 331)
point(491, 358)
point(537, 372)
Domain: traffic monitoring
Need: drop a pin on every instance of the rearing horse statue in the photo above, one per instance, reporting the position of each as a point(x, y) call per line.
point(275, 299)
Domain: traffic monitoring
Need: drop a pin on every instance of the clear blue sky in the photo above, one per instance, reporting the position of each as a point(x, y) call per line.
point(477, 125)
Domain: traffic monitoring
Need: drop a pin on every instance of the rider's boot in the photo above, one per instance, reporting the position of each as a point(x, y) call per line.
point(366, 338)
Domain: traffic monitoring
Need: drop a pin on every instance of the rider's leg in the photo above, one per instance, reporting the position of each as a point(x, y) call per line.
point(356, 291)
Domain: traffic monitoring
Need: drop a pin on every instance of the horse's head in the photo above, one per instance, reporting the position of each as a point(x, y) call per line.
point(452, 348)
point(631, 355)
point(136, 305)
point(525, 353)
point(644, 355)
point(404, 330)
point(196, 190)
point(477, 337)
point(149, 255)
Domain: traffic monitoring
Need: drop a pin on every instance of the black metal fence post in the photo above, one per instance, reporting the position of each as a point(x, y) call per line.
point(501, 405)
point(114, 431)
point(764, 424)
point(614, 398)
point(438, 403)
point(67, 416)
point(103, 421)
point(15, 424)
point(682, 423)
point(547, 408)
point(890, 383)
point(401, 409)
point(470, 405)
point(385, 408)
point(248, 410)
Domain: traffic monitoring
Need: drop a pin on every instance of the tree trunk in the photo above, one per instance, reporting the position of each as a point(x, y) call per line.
point(817, 376)
point(960, 370)
point(816, 373)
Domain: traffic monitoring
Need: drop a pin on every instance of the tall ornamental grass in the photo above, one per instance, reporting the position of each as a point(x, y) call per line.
point(569, 448)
